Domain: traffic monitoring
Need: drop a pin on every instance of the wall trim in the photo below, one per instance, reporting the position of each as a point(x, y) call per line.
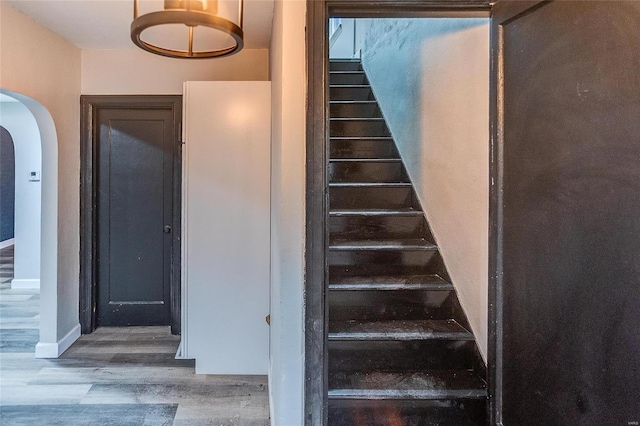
point(25, 284)
point(54, 350)
point(7, 243)
point(183, 352)
point(502, 13)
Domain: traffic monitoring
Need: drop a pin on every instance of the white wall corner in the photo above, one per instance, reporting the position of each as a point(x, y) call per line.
point(54, 350)
point(25, 284)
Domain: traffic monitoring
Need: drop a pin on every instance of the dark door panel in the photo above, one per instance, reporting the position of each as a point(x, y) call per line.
point(571, 212)
point(135, 184)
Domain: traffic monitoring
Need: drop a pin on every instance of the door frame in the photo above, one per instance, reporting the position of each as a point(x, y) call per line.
point(90, 105)
point(317, 195)
point(502, 13)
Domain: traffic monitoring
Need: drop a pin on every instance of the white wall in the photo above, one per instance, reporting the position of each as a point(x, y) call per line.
point(46, 68)
point(134, 71)
point(21, 124)
point(226, 237)
point(286, 369)
point(343, 46)
point(431, 77)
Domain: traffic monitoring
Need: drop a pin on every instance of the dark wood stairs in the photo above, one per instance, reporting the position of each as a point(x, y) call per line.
point(400, 347)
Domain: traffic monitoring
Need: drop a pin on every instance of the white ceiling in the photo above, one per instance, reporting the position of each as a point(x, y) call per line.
point(104, 24)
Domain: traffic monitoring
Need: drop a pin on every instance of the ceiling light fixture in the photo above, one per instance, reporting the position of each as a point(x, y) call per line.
point(209, 35)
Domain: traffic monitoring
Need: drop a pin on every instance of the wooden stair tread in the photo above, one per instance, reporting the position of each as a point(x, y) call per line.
point(389, 283)
point(378, 119)
point(371, 184)
point(360, 138)
point(419, 244)
point(447, 384)
point(365, 160)
point(399, 330)
point(376, 212)
point(343, 102)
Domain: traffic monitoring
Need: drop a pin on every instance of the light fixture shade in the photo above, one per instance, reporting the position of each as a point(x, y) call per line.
point(191, 22)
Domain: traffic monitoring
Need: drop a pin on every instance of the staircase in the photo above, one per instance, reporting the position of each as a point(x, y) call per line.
point(400, 349)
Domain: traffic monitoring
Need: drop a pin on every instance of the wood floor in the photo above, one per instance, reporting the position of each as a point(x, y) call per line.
point(114, 376)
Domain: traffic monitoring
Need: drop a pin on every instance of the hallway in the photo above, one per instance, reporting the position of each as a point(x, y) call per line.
point(115, 376)
point(19, 311)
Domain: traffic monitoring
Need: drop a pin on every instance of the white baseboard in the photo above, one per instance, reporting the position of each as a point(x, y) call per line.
point(54, 350)
point(272, 413)
point(180, 354)
point(7, 243)
point(25, 284)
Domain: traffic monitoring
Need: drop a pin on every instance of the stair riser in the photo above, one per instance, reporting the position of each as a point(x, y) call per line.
point(349, 78)
point(395, 356)
point(418, 413)
point(354, 110)
point(372, 198)
point(351, 94)
point(399, 257)
point(359, 128)
point(363, 149)
point(386, 306)
point(345, 66)
point(367, 172)
point(366, 227)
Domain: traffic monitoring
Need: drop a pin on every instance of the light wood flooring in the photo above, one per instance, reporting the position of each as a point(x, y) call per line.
point(114, 376)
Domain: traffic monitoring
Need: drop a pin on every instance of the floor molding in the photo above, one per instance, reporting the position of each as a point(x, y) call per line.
point(272, 411)
point(7, 243)
point(23, 284)
point(54, 350)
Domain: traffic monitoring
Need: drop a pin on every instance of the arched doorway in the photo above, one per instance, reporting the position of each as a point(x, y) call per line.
point(48, 345)
point(22, 129)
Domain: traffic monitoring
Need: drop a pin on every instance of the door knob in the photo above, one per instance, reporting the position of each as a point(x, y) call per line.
point(167, 229)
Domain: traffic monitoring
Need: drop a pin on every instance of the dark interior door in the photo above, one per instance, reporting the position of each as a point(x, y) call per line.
point(568, 129)
point(135, 150)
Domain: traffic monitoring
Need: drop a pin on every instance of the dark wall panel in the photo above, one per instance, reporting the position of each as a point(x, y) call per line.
point(7, 185)
point(572, 215)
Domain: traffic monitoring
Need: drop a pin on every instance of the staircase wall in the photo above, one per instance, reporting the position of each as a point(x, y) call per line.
point(431, 79)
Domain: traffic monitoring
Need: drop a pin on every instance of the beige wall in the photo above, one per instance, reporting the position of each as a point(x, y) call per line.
point(134, 71)
point(431, 77)
point(286, 369)
point(40, 64)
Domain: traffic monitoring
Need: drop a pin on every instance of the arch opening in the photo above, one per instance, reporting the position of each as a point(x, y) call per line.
point(48, 345)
